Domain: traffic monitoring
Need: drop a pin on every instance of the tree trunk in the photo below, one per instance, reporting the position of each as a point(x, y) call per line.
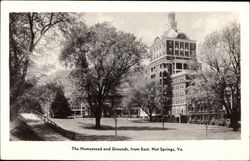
point(98, 115)
point(234, 122)
point(13, 111)
point(150, 118)
point(98, 122)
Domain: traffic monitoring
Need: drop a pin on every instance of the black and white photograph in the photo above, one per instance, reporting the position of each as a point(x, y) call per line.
point(123, 77)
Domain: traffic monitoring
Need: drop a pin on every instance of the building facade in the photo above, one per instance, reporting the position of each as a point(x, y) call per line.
point(180, 82)
point(175, 54)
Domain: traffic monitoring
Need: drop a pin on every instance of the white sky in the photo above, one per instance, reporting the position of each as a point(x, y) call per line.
point(149, 25)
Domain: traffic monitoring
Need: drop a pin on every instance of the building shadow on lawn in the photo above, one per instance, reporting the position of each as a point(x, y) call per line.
point(142, 121)
point(135, 128)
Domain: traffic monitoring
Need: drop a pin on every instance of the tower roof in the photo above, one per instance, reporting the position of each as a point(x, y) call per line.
point(172, 30)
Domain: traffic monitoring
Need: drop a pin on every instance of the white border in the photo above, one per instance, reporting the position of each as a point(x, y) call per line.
point(200, 150)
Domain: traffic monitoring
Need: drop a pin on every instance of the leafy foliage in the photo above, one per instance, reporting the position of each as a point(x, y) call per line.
point(100, 57)
point(25, 32)
point(142, 94)
point(200, 96)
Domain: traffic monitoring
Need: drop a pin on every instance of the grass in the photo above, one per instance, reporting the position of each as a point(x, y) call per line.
point(139, 129)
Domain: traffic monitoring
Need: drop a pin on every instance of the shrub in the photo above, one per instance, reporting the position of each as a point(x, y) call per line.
point(60, 106)
point(212, 122)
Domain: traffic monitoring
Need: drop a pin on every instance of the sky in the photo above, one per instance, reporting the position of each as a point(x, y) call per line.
point(195, 25)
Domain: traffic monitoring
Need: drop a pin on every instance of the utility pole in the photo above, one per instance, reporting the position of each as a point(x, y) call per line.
point(162, 117)
point(115, 124)
point(115, 115)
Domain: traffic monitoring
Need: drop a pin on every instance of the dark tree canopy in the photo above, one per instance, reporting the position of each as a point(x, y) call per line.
point(60, 106)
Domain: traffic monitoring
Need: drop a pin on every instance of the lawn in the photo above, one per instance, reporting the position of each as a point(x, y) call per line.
point(139, 129)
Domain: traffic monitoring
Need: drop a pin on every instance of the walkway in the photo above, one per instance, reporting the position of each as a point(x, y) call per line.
point(41, 129)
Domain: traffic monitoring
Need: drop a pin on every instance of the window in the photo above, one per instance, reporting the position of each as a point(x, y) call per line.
point(164, 74)
point(192, 46)
point(169, 47)
point(181, 45)
point(176, 45)
point(186, 46)
point(186, 49)
point(178, 66)
point(176, 48)
point(185, 66)
point(192, 49)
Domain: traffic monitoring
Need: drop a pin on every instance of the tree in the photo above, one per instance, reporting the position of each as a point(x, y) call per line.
point(143, 94)
point(201, 97)
point(221, 55)
point(29, 101)
point(25, 31)
point(38, 97)
point(60, 106)
point(100, 58)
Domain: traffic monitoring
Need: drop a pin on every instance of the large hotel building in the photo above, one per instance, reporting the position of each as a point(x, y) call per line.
point(174, 53)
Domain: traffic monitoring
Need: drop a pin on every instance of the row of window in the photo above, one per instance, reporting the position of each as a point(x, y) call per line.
point(169, 66)
point(177, 45)
point(163, 65)
point(158, 47)
point(179, 48)
point(178, 86)
point(179, 101)
point(177, 110)
point(179, 79)
point(181, 94)
point(170, 52)
point(152, 69)
point(184, 66)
